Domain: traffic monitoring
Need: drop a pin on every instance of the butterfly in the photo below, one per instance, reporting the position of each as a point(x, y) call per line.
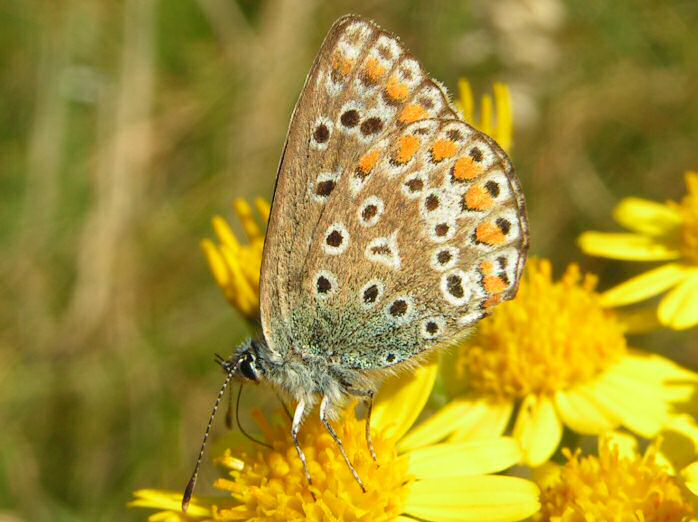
point(395, 227)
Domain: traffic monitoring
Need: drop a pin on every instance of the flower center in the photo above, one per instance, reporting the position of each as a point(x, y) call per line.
point(271, 485)
point(689, 215)
point(614, 487)
point(552, 336)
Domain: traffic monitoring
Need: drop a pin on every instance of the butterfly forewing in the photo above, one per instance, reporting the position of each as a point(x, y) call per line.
point(394, 226)
point(361, 87)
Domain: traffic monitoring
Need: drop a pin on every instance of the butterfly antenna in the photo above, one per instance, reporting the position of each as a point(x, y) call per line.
point(229, 410)
point(242, 430)
point(189, 490)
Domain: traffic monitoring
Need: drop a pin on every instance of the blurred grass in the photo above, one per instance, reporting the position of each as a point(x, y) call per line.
point(125, 125)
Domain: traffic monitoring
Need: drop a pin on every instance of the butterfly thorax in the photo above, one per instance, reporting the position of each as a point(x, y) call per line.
point(301, 378)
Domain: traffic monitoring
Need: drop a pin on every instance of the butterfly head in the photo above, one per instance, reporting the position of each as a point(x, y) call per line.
point(246, 363)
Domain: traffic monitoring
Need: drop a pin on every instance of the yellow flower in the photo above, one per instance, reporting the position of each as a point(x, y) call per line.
point(235, 266)
point(501, 129)
point(444, 482)
point(562, 358)
point(620, 484)
point(679, 448)
point(660, 232)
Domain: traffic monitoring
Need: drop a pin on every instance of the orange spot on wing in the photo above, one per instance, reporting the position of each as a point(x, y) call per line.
point(374, 69)
point(492, 301)
point(490, 234)
point(478, 198)
point(494, 284)
point(396, 90)
point(369, 160)
point(443, 149)
point(465, 169)
point(487, 267)
point(412, 112)
point(341, 64)
point(407, 148)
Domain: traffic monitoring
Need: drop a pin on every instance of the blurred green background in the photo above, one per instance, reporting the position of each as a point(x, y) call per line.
point(125, 125)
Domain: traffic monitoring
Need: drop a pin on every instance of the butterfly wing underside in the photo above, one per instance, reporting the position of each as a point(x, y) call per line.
point(394, 225)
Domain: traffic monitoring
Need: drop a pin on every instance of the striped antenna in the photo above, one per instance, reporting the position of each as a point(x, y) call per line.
point(189, 490)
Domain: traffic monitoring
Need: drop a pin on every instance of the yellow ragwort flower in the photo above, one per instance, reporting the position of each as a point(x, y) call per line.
point(660, 232)
point(496, 120)
point(236, 266)
point(449, 481)
point(562, 358)
point(619, 484)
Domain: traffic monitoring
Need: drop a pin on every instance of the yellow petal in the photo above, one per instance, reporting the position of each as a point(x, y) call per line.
point(631, 247)
point(638, 404)
point(225, 233)
point(239, 288)
point(647, 217)
point(504, 131)
point(686, 426)
point(624, 443)
point(486, 114)
point(690, 475)
point(169, 516)
point(464, 419)
point(579, 409)
point(401, 399)
point(644, 286)
point(547, 475)
point(488, 498)
point(171, 501)
point(656, 368)
point(465, 458)
point(490, 419)
point(438, 426)
point(640, 320)
point(538, 429)
point(263, 208)
point(216, 263)
point(679, 309)
point(244, 212)
point(678, 441)
point(692, 181)
point(466, 100)
point(678, 384)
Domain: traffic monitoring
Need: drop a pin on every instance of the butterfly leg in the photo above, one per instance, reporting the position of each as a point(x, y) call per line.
point(369, 440)
point(340, 445)
point(295, 428)
point(368, 396)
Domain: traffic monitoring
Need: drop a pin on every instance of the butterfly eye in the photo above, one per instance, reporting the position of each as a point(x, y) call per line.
point(247, 369)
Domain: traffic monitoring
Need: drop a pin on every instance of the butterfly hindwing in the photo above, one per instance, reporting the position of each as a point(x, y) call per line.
point(414, 250)
point(362, 87)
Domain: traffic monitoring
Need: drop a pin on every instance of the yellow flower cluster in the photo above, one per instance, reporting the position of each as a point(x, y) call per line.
point(618, 484)
point(660, 232)
point(554, 360)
